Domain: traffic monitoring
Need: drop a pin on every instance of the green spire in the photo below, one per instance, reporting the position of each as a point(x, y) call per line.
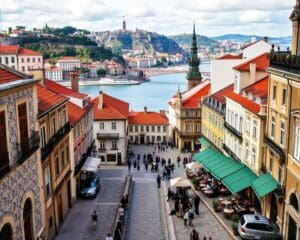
point(194, 61)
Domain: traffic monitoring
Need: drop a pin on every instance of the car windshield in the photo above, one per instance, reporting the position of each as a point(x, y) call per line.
point(90, 183)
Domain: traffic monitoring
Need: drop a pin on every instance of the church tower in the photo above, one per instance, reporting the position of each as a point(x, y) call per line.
point(124, 24)
point(193, 76)
point(295, 18)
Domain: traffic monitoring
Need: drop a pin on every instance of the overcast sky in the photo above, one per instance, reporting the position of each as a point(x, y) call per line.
point(212, 17)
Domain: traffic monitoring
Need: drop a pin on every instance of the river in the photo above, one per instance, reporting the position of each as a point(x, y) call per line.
point(154, 94)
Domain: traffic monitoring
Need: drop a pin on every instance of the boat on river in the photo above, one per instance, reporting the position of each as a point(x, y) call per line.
point(118, 81)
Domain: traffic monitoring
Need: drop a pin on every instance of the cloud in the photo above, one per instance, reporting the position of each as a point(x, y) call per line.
point(212, 17)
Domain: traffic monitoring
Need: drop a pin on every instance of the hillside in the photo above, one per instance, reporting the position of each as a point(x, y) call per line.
point(140, 42)
point(186, 40)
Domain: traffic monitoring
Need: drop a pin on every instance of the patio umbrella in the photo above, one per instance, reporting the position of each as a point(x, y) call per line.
point(173, 181)
point(182, 183)
point(193, 165)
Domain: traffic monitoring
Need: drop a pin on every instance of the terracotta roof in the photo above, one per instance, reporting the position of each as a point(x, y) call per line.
point(67, 58)
point(48, 99)
point(8, 74)
point(75, 112)
point(230, 56)
point(193, 101)
point(220, 95)
point(112, 108)
point(25, 51)
point(56, 87)
point(245, 102)
point(147, 118)
point(250, 44)
point(11, 49)
point(259, 88)
point(262, 63)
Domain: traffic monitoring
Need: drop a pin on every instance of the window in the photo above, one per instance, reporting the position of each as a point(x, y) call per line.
point(187, 113)
point(247, 151)
point(33, 59)
point(4, 161)
point(23, 69)
point(274, 92)
point(62, 154)
point(22, 60)
point(102, 144)
point(283, 96)
point(39, 60)
point(28, 60)
point(254, 129)
point(113, 126)
point(67, 153)
point(158, 128)
point(101, 125)
point(114, 145)
point(43, 136)
point(142, 128)
point(248, 124)
point(241, 124)
point(273, 127)
point(136, 128)
point(56, 164)
point(47, 179)
point(253, 156)
point(53, 126)
point(6, 60)
point(64, 117)
point(232, 119)
point(271, 162)
point(279, 174)
point(153, 128)
point(147, 128)
point(282, 132)
point(12, 60)
point(130, 128)
point(297, 143)
point(236, 121)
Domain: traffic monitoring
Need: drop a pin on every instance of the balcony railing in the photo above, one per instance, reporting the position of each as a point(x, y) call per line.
point(20, 154)
point(216, 106)
point(275, 149)
point(60, 134)
point(107, 135)
point(233, 130)
point(285, 60)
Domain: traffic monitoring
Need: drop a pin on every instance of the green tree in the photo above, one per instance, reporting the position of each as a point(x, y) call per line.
point(101, 72)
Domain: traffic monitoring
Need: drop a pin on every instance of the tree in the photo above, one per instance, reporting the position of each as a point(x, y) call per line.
point(101, 72)
point(84, 70)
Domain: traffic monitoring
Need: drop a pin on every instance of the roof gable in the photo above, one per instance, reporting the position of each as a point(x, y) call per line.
point(262, 62)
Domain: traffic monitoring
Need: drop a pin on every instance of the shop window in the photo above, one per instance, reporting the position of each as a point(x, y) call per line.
point(294, 201)
point(297, 144)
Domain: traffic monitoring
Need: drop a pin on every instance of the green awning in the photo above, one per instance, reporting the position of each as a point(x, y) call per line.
point(264, 185)
point(227, 169)
point(203, 142)
point(239, 180)
point(204, 154)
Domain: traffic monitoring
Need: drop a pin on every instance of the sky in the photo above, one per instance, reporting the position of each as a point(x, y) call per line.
point(168, 17)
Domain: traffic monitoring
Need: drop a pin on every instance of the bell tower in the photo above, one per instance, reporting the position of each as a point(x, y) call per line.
point(194, 76)
point(295, 18)
point(124, 24)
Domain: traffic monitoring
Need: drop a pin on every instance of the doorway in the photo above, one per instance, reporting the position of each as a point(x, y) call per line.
point(292, 228)
point(59, 209)
point(273, 208)
point(27, 217)
point(142, 139)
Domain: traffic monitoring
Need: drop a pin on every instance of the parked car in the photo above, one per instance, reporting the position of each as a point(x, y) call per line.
point(254, 226)
point(91, 188)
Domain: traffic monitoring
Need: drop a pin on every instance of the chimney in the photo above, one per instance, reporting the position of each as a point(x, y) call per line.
point(100, 103)
point(38, 74)
point(266, 39)
point(163, 112)
point(74, 81)
point(145, 109)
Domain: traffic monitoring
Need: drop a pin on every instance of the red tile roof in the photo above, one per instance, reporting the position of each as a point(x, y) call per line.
point(259, 88)
point(230, 56)
point(11, 49)
point(220, 95)
point(262, 63)
point(75, 112)
point(193, 101)
point(112, 108)
point(147, 118)
point(7, 76)
point(245, 102)
point(25, 51)
point(55, 87)
point(48, 99)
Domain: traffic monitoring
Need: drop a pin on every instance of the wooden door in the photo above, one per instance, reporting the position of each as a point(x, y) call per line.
point(59, 209)
point(23, 127)
point(28, 228)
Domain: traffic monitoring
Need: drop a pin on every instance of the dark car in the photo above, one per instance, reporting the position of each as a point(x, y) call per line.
point(254, 226)
point(91, 187)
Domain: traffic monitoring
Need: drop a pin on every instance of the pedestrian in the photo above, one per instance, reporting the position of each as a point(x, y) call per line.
point(94, 219)
point(209, 238)
point(138, 166)
point(194, 235)
point(121, 214)
point(196, 204)
point(134, 164)
point(129, 164)
point(158, 180)
point(191, 216)
point(178, 161)
point(169, 194)
point(204, 238)
point(117, 234)
point(186, 217)
point(109, 237)
point(169, 161)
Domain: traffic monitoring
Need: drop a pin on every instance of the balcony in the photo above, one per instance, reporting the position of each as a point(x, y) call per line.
point(107, 136)
point(285, 60)
point(60, 134)
point(278, 151)
point(187, 133)
point(102, 150)
point(21, 154)
point(233, 130)
point(214, 105)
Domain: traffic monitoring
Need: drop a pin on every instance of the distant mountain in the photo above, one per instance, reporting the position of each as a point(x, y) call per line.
point(139, 41)
point(186, 40)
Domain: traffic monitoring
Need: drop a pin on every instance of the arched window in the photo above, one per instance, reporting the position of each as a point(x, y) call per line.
point(6, 232)
point(27, 218)
point(294, 201)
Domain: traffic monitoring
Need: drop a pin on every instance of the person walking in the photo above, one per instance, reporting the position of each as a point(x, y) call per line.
point(129, 164)
point(191, 216)
point(178, 161)
point(186, 217)
point(196, 204)
point(121, 214)
point(158, 180)
point(94, 217)
point(169, 194)
point(194, 235)
point(138, 166)
point(109, 237)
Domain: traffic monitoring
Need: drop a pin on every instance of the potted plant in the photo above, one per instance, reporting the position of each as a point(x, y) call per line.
point(195, 181)
point(235, 218)
point(215, 205)
point(234, 227)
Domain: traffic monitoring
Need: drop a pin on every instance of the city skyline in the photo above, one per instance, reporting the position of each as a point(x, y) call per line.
point(212, 19)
